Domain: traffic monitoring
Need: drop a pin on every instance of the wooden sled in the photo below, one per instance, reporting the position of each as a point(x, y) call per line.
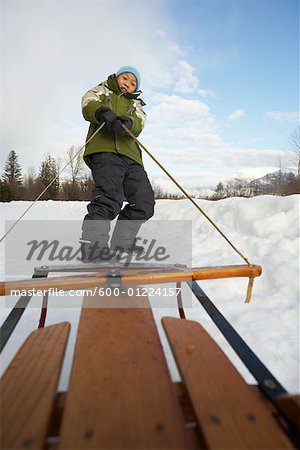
point(121, 395)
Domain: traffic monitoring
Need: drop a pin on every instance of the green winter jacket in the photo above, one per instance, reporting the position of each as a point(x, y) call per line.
point(109, 95)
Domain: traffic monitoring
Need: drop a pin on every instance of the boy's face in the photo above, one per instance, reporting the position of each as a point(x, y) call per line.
point(127, 82)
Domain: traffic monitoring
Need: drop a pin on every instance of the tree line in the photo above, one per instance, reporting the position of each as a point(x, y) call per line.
point(279, 183)
point(17, 185)
point(282, 182)
point(77, 184)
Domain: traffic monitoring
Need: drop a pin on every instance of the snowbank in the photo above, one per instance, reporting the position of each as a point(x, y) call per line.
point(264, 228)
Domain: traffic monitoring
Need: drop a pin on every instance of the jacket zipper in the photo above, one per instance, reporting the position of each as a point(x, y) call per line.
point(118, 98)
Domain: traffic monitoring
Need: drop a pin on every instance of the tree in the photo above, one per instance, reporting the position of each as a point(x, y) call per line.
point(158, 191)
point(255, 187)
point(11, 185)
point(219, 192)
point(5, 192)
point(76, 170)
point(12, 168)
point(32, 186)
point(48, 172)
point(295, 157)
point(86, 187)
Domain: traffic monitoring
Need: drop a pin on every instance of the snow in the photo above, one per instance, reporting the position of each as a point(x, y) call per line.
point(265, 229)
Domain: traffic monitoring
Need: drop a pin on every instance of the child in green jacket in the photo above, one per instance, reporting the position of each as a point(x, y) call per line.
point(115, 160)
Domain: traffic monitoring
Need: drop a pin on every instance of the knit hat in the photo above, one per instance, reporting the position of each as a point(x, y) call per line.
point(134, 72)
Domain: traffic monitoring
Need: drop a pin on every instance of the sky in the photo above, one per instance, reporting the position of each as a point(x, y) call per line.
point(219, 78)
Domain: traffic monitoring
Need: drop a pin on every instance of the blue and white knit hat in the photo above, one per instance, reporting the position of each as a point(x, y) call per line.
point(134, 72)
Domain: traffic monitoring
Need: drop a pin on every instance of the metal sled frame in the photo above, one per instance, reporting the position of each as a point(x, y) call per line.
point(120, 393)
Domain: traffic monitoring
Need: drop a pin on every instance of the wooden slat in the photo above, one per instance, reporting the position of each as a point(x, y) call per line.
point(129, 279)
point(228, 413)
point(57, 414)
point(120, 395)
point(28, 388)
point(196, 438)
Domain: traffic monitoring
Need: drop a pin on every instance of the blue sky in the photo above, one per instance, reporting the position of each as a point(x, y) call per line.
point(220, 79)
point(245, 52)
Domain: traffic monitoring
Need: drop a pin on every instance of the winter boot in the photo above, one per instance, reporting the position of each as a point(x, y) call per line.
point(138, 249)
point(133, 249)
point(93, 253)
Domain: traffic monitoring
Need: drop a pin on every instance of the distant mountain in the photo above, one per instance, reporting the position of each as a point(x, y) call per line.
point(273, 177)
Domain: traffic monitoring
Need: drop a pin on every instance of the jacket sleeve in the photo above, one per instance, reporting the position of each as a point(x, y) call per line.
point(92, 100)
point(138, 117)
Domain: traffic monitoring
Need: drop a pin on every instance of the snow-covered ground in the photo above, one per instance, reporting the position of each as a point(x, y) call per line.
point(265, 229)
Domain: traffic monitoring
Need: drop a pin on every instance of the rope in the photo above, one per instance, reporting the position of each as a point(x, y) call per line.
point(249, 290)
point(188, 196)
point(51, 182)
point(162, 168)
point(250, 285)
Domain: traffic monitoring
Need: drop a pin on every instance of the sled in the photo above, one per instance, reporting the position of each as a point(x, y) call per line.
point(121, 394)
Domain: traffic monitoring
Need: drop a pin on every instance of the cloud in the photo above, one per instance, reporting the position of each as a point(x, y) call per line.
point(282, 116)
point(254, 172)
point(237, 114)
point(187, 81)
point(48, 69)
point(161, 33)
point(175, 122)
point(206, 165)
point(176, 49)
point(172, 107)
point(171, 45)
point(185, 136)
point(205, 93)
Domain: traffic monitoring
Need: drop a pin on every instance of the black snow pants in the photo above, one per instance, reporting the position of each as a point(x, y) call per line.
point(117, 178)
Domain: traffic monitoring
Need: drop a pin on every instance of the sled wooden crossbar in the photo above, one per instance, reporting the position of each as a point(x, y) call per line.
point(130, 277)
point(121, 395)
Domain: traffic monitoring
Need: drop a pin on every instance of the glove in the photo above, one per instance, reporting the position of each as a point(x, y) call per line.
point(117, 128)
point(106, 115)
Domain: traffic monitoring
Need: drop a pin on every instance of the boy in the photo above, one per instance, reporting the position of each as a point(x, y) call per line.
point(116, 163)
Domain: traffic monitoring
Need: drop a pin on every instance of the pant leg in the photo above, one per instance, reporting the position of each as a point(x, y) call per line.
point(140, 207)
point(108, 171)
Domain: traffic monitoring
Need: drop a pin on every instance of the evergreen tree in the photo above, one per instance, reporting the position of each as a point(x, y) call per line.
point(11, 183)
point(49, 171)
point(5, 191)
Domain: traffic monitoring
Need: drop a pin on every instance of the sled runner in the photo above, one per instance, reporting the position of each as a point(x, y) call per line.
point(120, 394)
